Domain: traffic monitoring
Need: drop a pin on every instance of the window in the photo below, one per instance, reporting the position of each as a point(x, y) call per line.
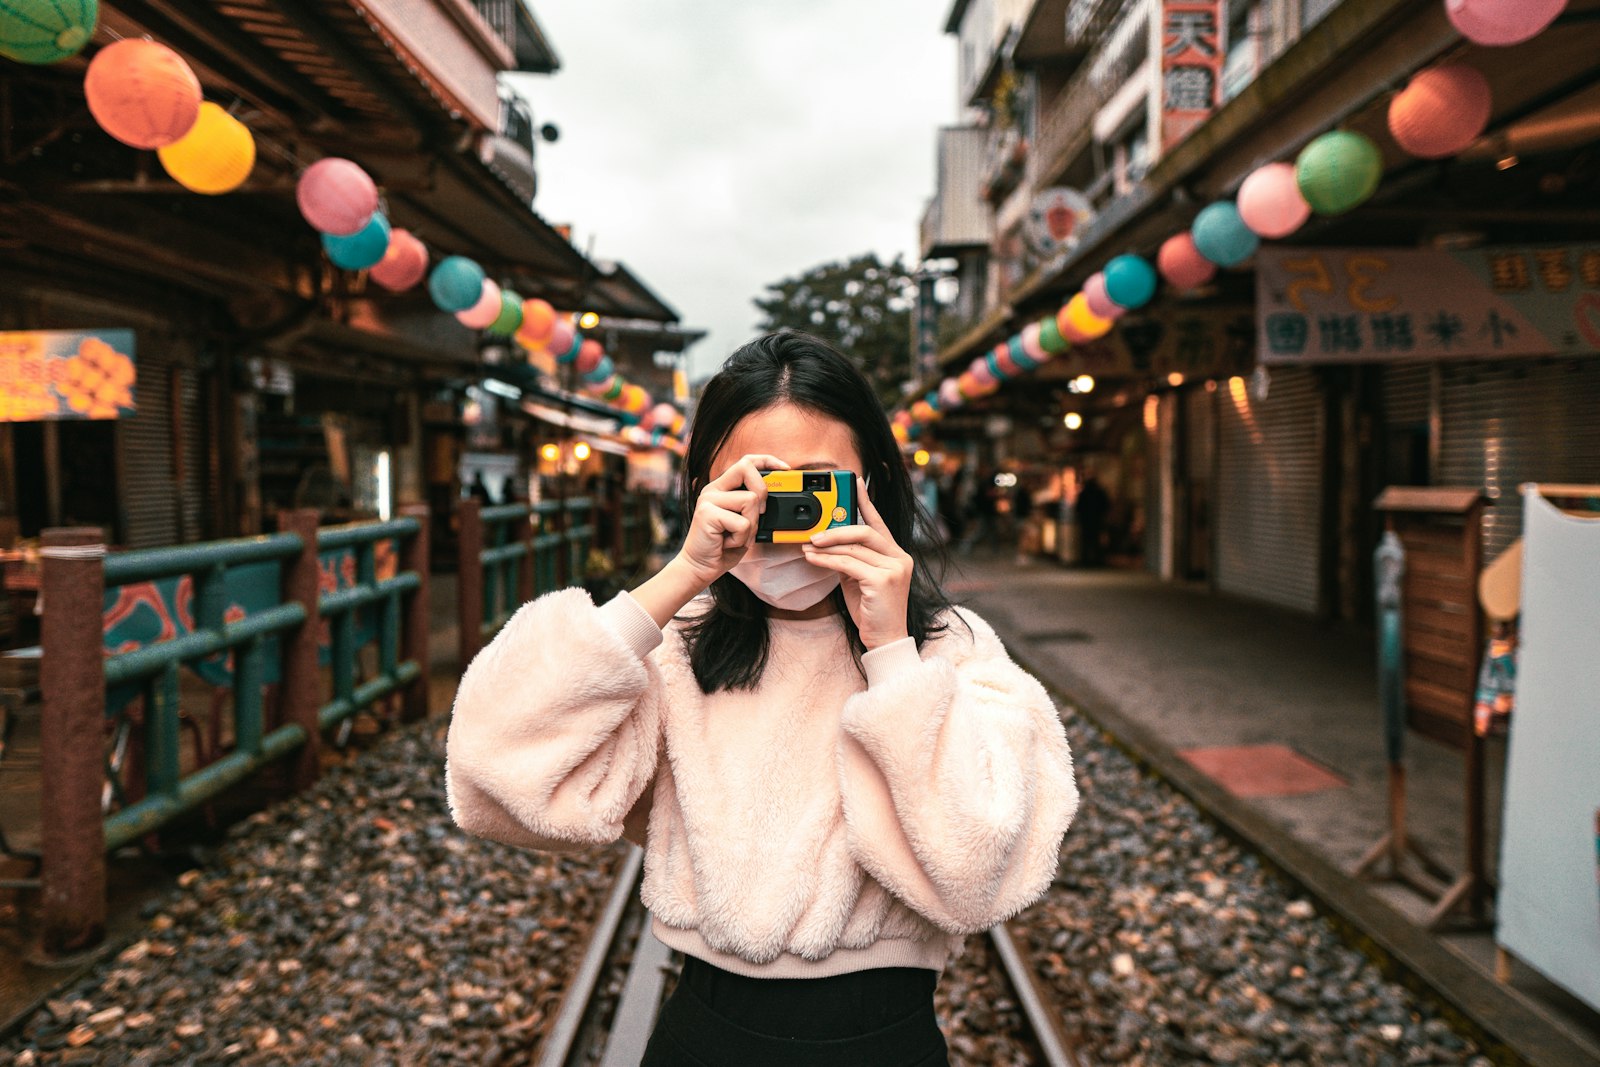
point(1243, 61)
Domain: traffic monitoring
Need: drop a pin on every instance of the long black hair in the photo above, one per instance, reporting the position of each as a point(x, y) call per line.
point(725, 650)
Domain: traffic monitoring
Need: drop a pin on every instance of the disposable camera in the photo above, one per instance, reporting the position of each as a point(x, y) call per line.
point(801, 504)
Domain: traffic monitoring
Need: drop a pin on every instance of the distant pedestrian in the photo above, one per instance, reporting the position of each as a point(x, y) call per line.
point(835, 774)
point(1094, 504)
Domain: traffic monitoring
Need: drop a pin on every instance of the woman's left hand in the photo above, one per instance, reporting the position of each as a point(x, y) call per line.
point(876, 574)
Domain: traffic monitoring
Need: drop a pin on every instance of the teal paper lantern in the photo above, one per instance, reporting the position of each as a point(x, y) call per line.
point(1338, 171)
point(361, 249)
point(1221, 235)
point(456, 283)
point(1019, 353)
point(510, 317)
point(1130, 282)
point(46, 31)
point(602, 370)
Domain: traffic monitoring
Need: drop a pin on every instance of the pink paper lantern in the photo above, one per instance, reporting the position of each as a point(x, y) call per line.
point(1270, 202)
point(404, 263)
point(336, 196)
point(1441, 112)
point(1502, 22)
point(661, 415)
point(1182, 265)
point(980, 371)
point(480, 315)
point(561, 337)
point(1031, 345)
point(1100, 302)
point(950, 394)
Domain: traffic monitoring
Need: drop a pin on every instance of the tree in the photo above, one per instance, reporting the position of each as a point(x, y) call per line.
point(862, 305)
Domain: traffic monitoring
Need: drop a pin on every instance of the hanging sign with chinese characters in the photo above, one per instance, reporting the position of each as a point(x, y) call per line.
point(1364, 305)
point(1191, 65)
point(66, 374)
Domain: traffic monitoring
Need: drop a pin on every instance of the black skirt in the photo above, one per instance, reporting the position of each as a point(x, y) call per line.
point(877, 1018)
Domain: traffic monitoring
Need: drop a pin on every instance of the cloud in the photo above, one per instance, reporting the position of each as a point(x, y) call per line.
point(718, 146)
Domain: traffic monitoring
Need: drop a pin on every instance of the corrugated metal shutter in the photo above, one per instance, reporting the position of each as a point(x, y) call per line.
point(146, 441)
point(1504, 424)
point(1199, 462)
point(1269, 491)
point(160, 510)
point(1405, 393)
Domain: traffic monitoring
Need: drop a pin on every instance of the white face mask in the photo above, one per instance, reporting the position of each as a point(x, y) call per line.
point(783, 577)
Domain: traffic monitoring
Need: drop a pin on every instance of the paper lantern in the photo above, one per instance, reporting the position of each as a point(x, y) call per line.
point(1018, 353)
point(923, 411)
point(981, 370)
point(505, 324)
point(1270, 202)
point(634, 399)
point(901, 434)
point(600, 371)
point(362, 249)
point(901, 418)
point(480, 315)
point(589, 356)
point(336, 196)
point(1338, 171)
point(456, 283)
point(1094, 290)
point(214, 157)
point(1502, 22)
point(538, 319)
point(1441, 112)
point(142, 93)
point(678, 425)
point(1032, 345)
point(967, 384)
point(950, 394)
point(1221, 236)
point(1050, 338)
point(933, 399)
point(561, 337)
point(1084, 321)
point(1182, 265)
point(611, 388)
point(404, 262)
point(1130, 282)
point(661, 415)
point(46, 31)
point(574, 350)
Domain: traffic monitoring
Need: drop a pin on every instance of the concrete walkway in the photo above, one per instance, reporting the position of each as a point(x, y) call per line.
point(1167, 667)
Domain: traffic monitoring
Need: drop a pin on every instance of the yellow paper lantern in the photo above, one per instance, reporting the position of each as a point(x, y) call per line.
point(214, 157)
point(1083, 319)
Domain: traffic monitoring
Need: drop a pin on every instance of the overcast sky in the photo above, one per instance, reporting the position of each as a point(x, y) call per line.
point(718, 145)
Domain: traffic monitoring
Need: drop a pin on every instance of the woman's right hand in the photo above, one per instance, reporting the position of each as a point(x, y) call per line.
point(723, 526)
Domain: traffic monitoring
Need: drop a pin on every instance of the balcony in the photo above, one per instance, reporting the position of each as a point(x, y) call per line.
point(1067, 127)
point(956, 219)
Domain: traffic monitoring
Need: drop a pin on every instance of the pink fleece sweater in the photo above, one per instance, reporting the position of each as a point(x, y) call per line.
point(819, 825)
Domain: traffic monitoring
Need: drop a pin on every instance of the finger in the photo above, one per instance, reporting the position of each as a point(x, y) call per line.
point(850, 535)
point(848, 566)
point(864, 553)
point(747, 473)
point(741, 501)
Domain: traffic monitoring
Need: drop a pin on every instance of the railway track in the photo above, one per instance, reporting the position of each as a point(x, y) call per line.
point(592, 1027)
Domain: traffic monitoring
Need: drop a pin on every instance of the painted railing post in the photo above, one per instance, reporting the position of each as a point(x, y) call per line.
point(72, 738)
point(469, 578)
point(299, 679)
point(414, 642)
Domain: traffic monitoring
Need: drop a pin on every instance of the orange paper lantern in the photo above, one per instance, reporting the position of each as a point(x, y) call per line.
point(214, 157)
point(142, 93)
point(404, 262)
point(1441, 112)
point(538, 322)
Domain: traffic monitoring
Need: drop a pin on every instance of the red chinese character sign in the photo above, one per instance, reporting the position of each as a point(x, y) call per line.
point(1365, 305)
point(66, 374)
point(1191, 65)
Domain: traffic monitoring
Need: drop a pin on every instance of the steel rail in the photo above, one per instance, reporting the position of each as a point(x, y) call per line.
point(1057, 1048)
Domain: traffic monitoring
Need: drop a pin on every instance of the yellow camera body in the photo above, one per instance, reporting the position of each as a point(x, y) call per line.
point(801, 504)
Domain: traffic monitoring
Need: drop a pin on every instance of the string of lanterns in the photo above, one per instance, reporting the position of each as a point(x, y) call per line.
point(1440, 112)
point(145, 95)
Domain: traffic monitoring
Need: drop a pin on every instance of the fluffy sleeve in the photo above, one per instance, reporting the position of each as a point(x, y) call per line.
point(556, 728)
point(956, 778)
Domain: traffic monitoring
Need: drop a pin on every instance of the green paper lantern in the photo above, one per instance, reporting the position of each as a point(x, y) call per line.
point(46, 31)
point(510, 317)
point(615, 389)
point(1050, 338)
point(1338, 171)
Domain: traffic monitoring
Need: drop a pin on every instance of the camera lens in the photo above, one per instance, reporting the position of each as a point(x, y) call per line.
point(802, 509)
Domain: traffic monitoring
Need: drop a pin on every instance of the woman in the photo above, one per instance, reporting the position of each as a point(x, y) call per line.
point(835, 775)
